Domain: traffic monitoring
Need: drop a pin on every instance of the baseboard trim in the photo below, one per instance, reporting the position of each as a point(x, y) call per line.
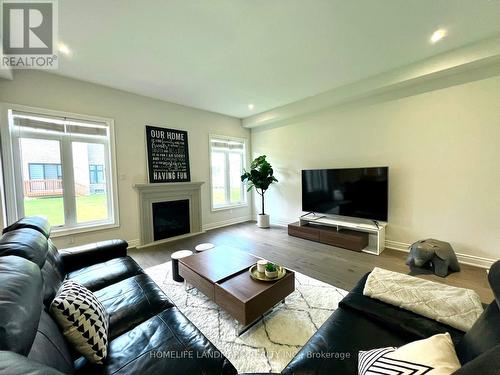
point(280, 222)
point(225, 223)
point(399, 246)
point(170, 239)
point(132, 244)
point(462, 258)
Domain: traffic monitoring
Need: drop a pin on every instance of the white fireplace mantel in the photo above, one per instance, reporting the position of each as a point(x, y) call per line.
point(164, 192)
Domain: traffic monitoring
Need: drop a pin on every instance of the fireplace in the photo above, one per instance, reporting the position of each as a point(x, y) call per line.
point(170, 219)
point(169, 211)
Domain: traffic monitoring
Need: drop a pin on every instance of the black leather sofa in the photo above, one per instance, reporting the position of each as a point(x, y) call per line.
point(147, 333)
point(362, 323)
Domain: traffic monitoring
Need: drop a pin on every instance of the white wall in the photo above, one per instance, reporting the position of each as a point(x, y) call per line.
point(131, 113)
point(443, 150)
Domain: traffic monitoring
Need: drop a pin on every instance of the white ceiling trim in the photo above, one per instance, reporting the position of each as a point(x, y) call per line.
point(474, 56)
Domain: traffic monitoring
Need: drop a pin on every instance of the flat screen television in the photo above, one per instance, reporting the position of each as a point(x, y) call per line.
point(354, 192)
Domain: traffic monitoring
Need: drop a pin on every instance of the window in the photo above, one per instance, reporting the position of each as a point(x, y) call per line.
point(96, 173)
point(44, 171)
point(227, 160)
point(61, 168)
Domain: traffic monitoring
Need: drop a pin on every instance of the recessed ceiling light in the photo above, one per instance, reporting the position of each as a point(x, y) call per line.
point(438, 35)
point(251, 106)
point(64, 49)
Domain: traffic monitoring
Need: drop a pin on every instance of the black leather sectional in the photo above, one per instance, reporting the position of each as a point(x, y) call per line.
point(148, 334)
point(362, 323)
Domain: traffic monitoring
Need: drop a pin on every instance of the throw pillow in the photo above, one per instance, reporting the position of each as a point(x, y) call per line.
point(433, 356)
point(83, 320)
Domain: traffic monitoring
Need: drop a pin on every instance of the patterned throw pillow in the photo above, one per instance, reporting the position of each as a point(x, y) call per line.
point(83, 320)
point(433, 356)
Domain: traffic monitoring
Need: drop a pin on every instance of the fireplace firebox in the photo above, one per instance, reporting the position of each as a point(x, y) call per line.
point(170, 219)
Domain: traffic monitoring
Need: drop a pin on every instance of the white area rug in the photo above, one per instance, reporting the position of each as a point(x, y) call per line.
point(271, 343)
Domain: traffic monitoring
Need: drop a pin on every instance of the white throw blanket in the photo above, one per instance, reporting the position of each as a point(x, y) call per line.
point(456, 307)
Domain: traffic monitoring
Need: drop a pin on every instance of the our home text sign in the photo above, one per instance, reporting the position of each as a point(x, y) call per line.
point(168, 155)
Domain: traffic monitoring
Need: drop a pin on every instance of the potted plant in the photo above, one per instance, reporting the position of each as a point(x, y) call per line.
point(260, 177)
point(271, 270)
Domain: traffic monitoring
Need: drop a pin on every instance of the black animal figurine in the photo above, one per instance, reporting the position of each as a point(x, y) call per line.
point(434, 254)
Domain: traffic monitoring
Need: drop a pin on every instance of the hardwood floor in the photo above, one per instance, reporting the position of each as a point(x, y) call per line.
point(339, 267)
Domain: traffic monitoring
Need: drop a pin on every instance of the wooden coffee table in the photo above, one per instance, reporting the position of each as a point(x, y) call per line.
point(222, 275)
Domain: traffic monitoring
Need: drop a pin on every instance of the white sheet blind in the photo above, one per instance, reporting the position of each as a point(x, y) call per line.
point(27, 122)
point(221, 144)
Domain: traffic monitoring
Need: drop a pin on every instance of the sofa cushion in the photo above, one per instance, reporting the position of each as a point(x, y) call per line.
point(409, 324)
point(26, 243)
point(15, 364)
point(405, 323)
point(78, 257)
point(38, 223)
point(83, 320)
point(485, 364)
point(494, 280)
point(435, 355)
point(103, 274)
point(50, 347)
point(131, 302)
point(166, 343)
point(484, 335)
point(52, 274)
point(20, 303)
point(334, 348)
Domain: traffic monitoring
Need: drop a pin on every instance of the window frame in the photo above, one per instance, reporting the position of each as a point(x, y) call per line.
point(14, 204)
point(244, 194)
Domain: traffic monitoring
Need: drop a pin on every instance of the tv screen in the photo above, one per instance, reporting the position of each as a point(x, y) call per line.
point(354, 192)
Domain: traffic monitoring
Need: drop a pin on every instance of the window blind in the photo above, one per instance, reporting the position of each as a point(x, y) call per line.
point(23, 121)
point(227, 145)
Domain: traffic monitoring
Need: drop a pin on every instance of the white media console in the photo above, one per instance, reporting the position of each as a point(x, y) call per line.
point(376, 234)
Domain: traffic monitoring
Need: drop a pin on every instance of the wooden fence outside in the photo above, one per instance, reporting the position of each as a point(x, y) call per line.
point(49, 188)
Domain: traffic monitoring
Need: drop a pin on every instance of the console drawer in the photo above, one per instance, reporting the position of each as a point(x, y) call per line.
point(305, 231)
point(347, 239)
point(199, 282)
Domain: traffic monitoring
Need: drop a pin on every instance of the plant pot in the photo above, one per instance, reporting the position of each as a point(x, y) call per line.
point(272, 274)
point(263, 221)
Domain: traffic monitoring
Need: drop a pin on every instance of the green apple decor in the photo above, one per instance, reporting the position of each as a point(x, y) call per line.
point(260, 177)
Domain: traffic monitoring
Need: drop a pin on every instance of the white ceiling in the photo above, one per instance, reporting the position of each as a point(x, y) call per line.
point(221, 55)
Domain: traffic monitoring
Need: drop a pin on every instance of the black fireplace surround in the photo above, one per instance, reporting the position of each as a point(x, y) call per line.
point(170, 219)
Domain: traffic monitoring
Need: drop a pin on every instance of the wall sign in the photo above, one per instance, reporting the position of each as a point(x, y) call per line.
point(168, 155)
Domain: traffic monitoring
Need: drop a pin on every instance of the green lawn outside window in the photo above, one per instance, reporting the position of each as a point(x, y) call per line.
point(88, 208)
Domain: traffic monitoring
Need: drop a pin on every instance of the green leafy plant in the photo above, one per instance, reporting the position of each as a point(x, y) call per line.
point(271, 267)
point(259, 177)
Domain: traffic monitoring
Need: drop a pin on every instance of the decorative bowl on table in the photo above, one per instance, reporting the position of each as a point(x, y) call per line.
point(268, 275)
